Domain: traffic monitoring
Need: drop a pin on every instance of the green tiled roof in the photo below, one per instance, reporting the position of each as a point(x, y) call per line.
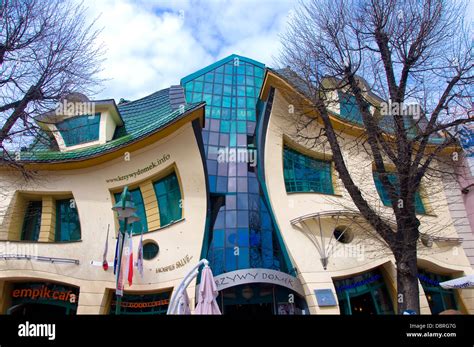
point(141, 118)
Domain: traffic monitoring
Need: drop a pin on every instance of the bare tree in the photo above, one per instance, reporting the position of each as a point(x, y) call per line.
point(386, 53)
point(48, 49)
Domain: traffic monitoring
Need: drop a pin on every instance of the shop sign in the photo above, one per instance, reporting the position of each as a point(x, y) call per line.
point(50, 292)
point(325, 297)
point(246, 276)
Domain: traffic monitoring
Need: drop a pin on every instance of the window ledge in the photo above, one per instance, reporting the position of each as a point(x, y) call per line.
point(164, 226)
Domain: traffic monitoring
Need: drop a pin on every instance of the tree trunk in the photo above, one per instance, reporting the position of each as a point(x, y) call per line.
point(408, 296)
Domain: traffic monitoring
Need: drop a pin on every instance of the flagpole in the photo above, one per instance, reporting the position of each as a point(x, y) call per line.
point(119, 297)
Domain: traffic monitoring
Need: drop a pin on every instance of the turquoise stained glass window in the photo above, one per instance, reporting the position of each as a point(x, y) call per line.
point(305, 174)
point(68, 227)
point(32, 221)
point(168, 195)
point(419, 208)
point(137, 199)
point(349, 108)
point(81, 129)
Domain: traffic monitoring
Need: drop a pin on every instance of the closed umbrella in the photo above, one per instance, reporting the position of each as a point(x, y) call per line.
point(183, 304)
point(459, 283)
point(207, 294)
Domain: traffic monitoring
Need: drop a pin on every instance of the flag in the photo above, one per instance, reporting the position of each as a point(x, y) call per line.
point(117, 255)
point(119, 264)
point(128, 258)
point(140, 256)
point(105, 264)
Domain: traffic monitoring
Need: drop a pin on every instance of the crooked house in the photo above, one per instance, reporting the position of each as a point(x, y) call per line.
point(216, 170)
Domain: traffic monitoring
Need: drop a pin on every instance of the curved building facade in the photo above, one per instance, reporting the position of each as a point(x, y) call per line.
point(216, 170)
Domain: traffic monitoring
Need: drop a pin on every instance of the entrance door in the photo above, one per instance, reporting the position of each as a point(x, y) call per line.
point(363, 305)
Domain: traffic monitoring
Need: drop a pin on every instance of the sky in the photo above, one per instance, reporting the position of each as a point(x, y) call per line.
point(152, 44)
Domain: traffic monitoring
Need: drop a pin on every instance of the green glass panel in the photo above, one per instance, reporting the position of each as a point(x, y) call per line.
point(32, 221)
point(80, 129)
point(168, 195)
point(384, 196)
point(305, 174)
point(68, 227)
point(241, 127)
point(198, 87)
point(228, 91)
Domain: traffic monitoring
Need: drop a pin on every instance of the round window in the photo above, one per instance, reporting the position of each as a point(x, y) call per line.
point(150, 250)
point(343, 234)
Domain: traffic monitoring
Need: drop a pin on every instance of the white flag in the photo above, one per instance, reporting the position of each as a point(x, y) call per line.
point(140, 256)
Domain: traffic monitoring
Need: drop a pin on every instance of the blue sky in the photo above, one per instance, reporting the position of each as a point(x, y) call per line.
point(152, 44)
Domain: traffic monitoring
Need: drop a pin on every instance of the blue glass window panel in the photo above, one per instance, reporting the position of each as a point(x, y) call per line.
point(242, 201)
point(258, 82)
point(221, 184)
point(224, 140)
point(233, 127)
point(216, 112)
point(219, 78)
point(209, 77)
point(218, 260)
point(254, 239)
point(220, 219)
point(208, 88)
point(168, 194)
point(241, 114)
point(240, 69)
point(254, 202)
point(68, 227)
point(242, 219)
point(251, 128)
point(305, 174)
point(215, 124)
point(221, 169)
point(220, 69)
point(231, 237)
point(213, 152)
point(242, 184)
point(253, 185)
point(243, 258)
point(240, 79)
point(241, 102)
point(228, 79)
point(231, 219)
point(212, 167)
point(232, 169)
point(349, 109)
point(216, 100)
point(241, 127)
point(230, 260)
point(230, 202)
point(243, 237)
point(32, 221)
point(198, 86)
point(218, 238)
point(229, 68)
point(197, 97)
point(225, 126)
point(218, 89)
point(250, 92)
point(251, 115)
point(226, 101)
point(266, 222)
point(207, 98)
point(80, 129)
point(225, 113)
point(205, 136)
point(249, 69)
point(258, 72)
point(227, 90)
point(233, 140)
point(242, 169)
point(214, 139)
point(241, 140)
point(251, 103)
point(240, 91)
point(255, 258)
point(384, 196)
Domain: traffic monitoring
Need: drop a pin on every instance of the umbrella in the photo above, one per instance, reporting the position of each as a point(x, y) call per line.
point(183, 304)
point(459, 283)
point(207, 294)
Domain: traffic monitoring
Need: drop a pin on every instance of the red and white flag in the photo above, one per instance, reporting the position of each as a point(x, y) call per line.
point(105, 263)
point(128, 263)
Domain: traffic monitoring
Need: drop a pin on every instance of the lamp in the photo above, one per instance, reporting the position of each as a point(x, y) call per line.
point(125, 209)
point(124, 206)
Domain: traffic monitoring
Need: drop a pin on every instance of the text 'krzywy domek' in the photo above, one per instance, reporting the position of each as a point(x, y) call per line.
point(216, 170)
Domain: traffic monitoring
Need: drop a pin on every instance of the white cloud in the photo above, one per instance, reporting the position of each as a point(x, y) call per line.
point(152, 45)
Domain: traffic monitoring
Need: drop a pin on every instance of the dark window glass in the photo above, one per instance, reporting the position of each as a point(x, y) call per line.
point(150, 250)
point(439, 299)
point(68, 227)
point(32, 221)
point(137, 199)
